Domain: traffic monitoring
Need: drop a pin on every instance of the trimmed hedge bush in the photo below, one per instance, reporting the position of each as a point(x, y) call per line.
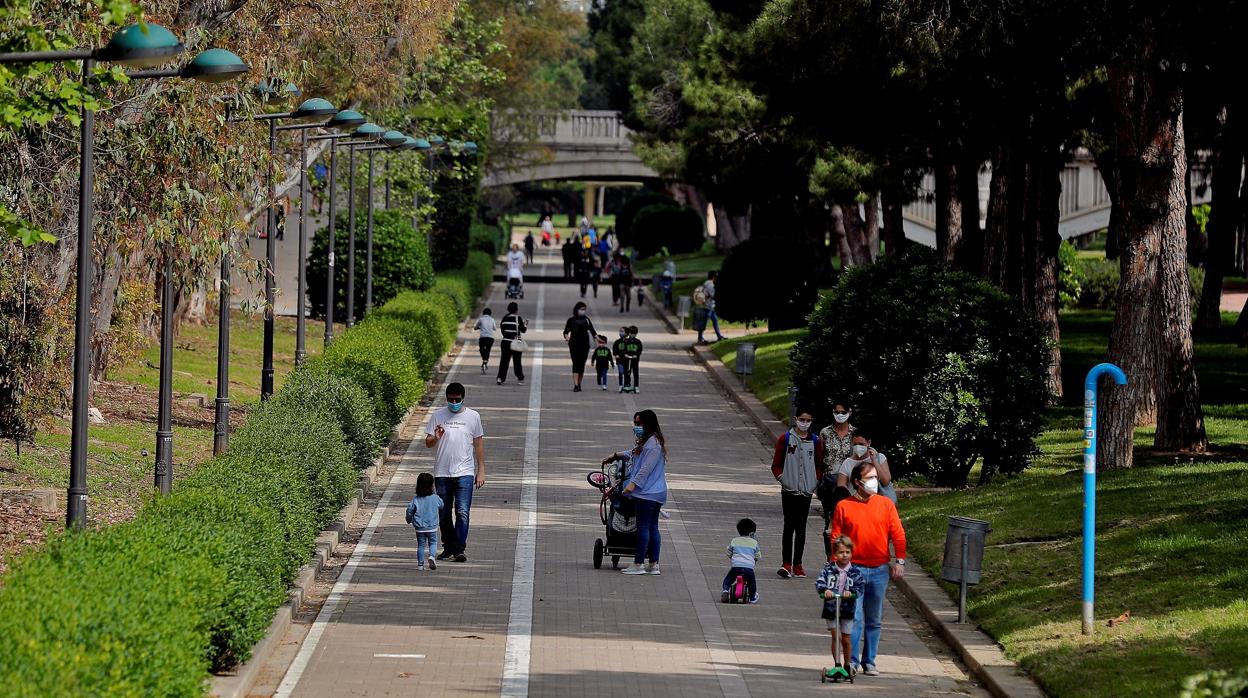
point(1093, 283)
point(400, 262)
point(487, 238)
point(378, 359)
point(668, 226)
point(942, 368)
point(148, 607)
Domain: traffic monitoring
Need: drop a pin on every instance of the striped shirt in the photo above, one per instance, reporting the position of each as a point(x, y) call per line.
point(512, 326)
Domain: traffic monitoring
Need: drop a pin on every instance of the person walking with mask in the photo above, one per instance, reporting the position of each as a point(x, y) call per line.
point(863, 453)
point(458, 467)
point(871, 522)
point(838, 444)
point(797, 465)
point(511, 327)
point(647, 487)
point(579, 333)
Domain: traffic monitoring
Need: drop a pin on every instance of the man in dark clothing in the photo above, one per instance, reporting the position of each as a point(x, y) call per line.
point(571, 251)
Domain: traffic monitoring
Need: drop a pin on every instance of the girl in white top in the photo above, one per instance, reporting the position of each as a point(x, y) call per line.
point(488, 327)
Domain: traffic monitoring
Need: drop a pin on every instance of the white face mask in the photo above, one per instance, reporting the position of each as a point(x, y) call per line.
point(860, 450)
point(841, 418)
point(871, 485)
point(803, 424)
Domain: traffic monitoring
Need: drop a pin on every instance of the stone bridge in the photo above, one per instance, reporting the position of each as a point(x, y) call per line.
point(579, 145)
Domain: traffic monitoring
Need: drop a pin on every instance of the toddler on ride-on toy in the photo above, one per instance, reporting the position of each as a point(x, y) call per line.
point(744, 553)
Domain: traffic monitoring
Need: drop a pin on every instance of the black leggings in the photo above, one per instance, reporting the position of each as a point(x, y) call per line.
point(793, 540)
point(579, 355)
point(632, 376)
point(485, 344)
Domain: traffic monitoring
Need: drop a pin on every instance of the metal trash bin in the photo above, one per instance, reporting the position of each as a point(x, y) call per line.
point(683, 304)
point(964, 555)
point(745, 358)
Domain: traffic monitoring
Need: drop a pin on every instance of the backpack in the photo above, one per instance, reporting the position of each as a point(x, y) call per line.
point(699, 295)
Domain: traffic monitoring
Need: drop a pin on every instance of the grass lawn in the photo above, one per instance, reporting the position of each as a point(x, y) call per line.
point(121, 452)
point(689, 264)
point(1172, 538)
point(770, 380)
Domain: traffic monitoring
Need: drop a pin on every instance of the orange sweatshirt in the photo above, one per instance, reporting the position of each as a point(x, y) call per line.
point(871, 525)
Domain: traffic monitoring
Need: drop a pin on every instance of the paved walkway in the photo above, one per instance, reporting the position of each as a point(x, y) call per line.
point(529, 615)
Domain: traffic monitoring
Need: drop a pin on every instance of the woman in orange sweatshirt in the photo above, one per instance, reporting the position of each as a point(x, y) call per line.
point(871, 521)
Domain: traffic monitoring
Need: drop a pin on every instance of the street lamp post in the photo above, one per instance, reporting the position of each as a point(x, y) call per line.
point(342, 120)
point(368, 133)
point(391, 140)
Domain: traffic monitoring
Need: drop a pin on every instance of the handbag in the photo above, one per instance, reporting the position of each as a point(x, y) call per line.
point(518, 345)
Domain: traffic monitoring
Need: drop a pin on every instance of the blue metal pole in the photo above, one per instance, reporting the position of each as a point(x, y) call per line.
point(1089, 482)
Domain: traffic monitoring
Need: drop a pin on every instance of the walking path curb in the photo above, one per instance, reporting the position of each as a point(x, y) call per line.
point(237, 684)
point(981, 654)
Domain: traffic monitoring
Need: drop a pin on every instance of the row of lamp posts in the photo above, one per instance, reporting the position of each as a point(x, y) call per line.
point(149, 45)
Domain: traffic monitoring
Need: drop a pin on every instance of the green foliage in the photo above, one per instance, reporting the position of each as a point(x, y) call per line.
point(489, 239)
point(768, 279)
point(26, 349)
point(1068, 288)
point(1097, 281)
point(378, 359)
point(400, 261)
point(426, 323)
point(629, 211)
point(942, 367)
point(314, 387)
point(1216, 684)
point(660, 226)
point(108, 613)
point(237, 538)
point(458, 291)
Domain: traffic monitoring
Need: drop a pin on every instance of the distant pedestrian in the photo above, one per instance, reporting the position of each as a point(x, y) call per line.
point(511, 327)
point(595, 273)
point(839, 584)
point(744, 552)
point(797, 465)
point(424, 513)
point(548, 228)
point(529, 246)
point(708, 293)
point(571, 252)
point(603, 359)
point(617, 350)
point(458, 467)
point(515, 258)
point(612, 270)
point(632, 348)
point(647, 487)
point(488, 327)
point(625, 275)
point(584, 270)
point(871, 522)
point(579, 333)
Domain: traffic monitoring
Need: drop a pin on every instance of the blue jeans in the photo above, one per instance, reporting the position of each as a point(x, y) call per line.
point(426, 545)
point(868, 614)
point(456, 494)
point(714, 318)
point(648, 538)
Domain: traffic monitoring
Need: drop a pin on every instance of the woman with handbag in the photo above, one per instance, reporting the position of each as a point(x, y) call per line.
point(579, 333)
point(512, 346)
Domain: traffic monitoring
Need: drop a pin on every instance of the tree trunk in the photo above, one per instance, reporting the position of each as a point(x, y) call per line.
point(894, 230)
point(948, 211)
point(871, 229)
point(840, 236)
point(1046, 190)
point(731, 227)
point(1155, 352)
point(1224, 215)
point(994, 264)
point(970, 254)
point(1106, 164)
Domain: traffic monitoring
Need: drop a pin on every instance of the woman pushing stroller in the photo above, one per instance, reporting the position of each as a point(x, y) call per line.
point(647, 487)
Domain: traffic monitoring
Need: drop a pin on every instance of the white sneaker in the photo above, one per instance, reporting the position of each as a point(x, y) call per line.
point(654, 569)
point(633, 569)
point(870, 670)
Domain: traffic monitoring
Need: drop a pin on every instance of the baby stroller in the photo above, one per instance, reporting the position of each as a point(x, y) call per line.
point(515, 284)
point(617, 513)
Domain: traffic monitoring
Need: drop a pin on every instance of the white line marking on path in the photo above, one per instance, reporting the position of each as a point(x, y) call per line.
point(520, 619)
point(541, 308)
point(304, 657)
point(400, 656)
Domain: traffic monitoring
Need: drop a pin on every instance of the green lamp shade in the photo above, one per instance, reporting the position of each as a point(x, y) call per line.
point(408, 143)
point(215, 65)
point(393, 139)
point(140, 46)
point(346, 119)
point(369, 131)
point(422, 144)
point(291, 90)
point(269, 89)
point(314, 109)
point(436, 140)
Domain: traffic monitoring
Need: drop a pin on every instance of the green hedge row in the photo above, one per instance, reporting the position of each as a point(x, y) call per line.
point(150, 606)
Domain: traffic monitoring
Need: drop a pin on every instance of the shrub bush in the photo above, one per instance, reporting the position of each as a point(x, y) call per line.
point(663, 225)
point(313, 387)
point(425, 321)
point(107, 613)
point(400, 262)
point(458, 291)
point(486, 238)
point(767, 280)
point(943, 368)
point(1097, 280)
point(240, 539)
point(379, 360)
point(628, 212)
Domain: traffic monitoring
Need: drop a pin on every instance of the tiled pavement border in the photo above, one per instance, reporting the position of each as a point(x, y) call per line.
point(982, 654)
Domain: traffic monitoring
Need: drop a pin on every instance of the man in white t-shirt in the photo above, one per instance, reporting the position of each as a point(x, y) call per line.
point(458, 465)
point(515, 258)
